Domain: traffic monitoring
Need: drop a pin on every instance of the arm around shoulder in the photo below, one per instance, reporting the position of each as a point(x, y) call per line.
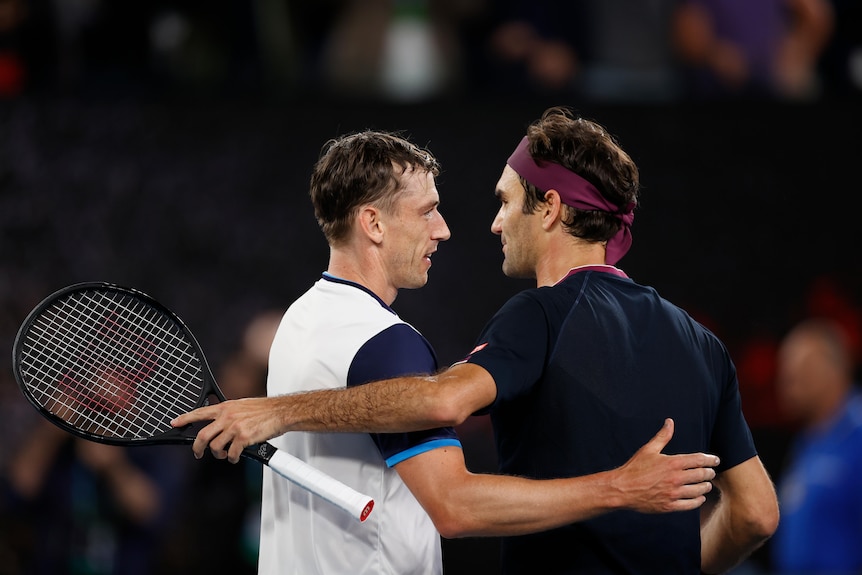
point(396, 405)
point(744, 517)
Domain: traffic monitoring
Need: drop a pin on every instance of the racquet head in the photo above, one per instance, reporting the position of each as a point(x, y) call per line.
point(112, 365)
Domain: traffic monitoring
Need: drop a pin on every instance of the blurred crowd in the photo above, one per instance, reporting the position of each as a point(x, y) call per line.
point(76, 507)
point(411, 50)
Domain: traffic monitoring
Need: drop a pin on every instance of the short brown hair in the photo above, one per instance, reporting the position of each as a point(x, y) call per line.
point(360, 169)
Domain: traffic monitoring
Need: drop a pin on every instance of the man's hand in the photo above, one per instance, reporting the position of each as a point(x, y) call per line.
point(651, 482)
point(234, 425)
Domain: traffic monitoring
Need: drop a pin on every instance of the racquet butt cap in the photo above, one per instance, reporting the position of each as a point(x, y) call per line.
point(366, 511)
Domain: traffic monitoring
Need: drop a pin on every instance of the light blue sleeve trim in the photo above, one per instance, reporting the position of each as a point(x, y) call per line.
point(417, 449)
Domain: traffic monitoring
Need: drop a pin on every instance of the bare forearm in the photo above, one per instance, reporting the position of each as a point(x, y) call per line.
point(464, 504)
point(500, 506)
point(724, 546)
point(395, 405)
point(390, 406)
point(496, 505)
point(744, 517)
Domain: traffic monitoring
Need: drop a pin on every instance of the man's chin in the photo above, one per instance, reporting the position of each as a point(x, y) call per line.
point(514, 272)
point(418, 283)
point(519, 274)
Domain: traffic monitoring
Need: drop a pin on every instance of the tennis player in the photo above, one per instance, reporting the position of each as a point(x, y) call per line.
point(376, 200)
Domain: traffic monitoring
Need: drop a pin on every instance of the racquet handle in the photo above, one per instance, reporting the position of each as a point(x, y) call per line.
point(319, 483)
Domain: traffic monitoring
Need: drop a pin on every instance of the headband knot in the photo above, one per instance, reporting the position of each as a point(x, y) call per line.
point(577, 192)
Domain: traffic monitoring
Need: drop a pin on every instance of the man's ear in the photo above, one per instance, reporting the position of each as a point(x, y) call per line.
point(371, 223)
point(552, 209)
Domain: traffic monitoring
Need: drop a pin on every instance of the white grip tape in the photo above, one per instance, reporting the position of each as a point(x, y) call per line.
point(319, 483)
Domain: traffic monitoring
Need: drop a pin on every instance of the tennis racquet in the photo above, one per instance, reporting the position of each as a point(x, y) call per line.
point(112, 365)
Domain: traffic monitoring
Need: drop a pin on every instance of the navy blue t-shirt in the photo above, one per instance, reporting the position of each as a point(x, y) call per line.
point(586, 372)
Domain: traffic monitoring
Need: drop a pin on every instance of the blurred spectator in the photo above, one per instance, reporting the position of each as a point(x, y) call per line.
point(403, 50)
point(831, 297)
point(77, 507)
point(244, 373)
point(89, 508)
point(629, 54)
point(16, 418)
point(414, 50)
point(530, 46)
point(220, 522)
point(841, 63)
point(601, 50)
point(70, 506)
point(745, 49)
point(821, 517)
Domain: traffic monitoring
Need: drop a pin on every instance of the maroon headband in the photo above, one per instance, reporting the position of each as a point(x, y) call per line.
point(576, 192)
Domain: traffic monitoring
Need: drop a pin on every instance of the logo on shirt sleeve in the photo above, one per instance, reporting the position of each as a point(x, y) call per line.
point(478, 348)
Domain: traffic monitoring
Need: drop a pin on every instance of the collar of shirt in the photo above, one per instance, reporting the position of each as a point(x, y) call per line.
point(595, 268)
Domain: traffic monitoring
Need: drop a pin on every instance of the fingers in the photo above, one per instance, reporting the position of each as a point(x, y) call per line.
point(220, 441)
point(223, 446)
point(695, 490)
point(691, 497)
point(234, 453)
point(694, 475)
point(213, 436)
point(663, 437)
point(687, 504)
point(684, 496)
point(694, 484)
point(202, 441)
point(691, 460)
point(663, 483)
point(696, 461)
point(708, 460)
point(199, 414)
point(209, 436)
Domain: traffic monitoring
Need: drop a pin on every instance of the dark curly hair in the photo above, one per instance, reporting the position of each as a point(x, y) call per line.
point(588, 149)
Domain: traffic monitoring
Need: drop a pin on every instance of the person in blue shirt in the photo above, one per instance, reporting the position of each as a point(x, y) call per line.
point(821, 502)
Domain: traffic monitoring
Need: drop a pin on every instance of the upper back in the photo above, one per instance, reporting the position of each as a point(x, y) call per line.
point(586, 372)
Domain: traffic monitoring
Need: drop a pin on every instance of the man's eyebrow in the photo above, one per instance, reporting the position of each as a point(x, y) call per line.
point(431, 204)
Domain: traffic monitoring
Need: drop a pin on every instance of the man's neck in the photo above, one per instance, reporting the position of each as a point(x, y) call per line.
point(560, 259)
point(362, 269)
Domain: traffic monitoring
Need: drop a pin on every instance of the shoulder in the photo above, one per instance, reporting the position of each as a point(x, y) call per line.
point(395, 351)
point(524, 306)
point(345, 305)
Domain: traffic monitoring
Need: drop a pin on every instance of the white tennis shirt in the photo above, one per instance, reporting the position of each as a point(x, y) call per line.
point(337, 334)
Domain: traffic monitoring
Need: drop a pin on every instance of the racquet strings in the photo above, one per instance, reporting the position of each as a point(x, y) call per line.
point(110, 364)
